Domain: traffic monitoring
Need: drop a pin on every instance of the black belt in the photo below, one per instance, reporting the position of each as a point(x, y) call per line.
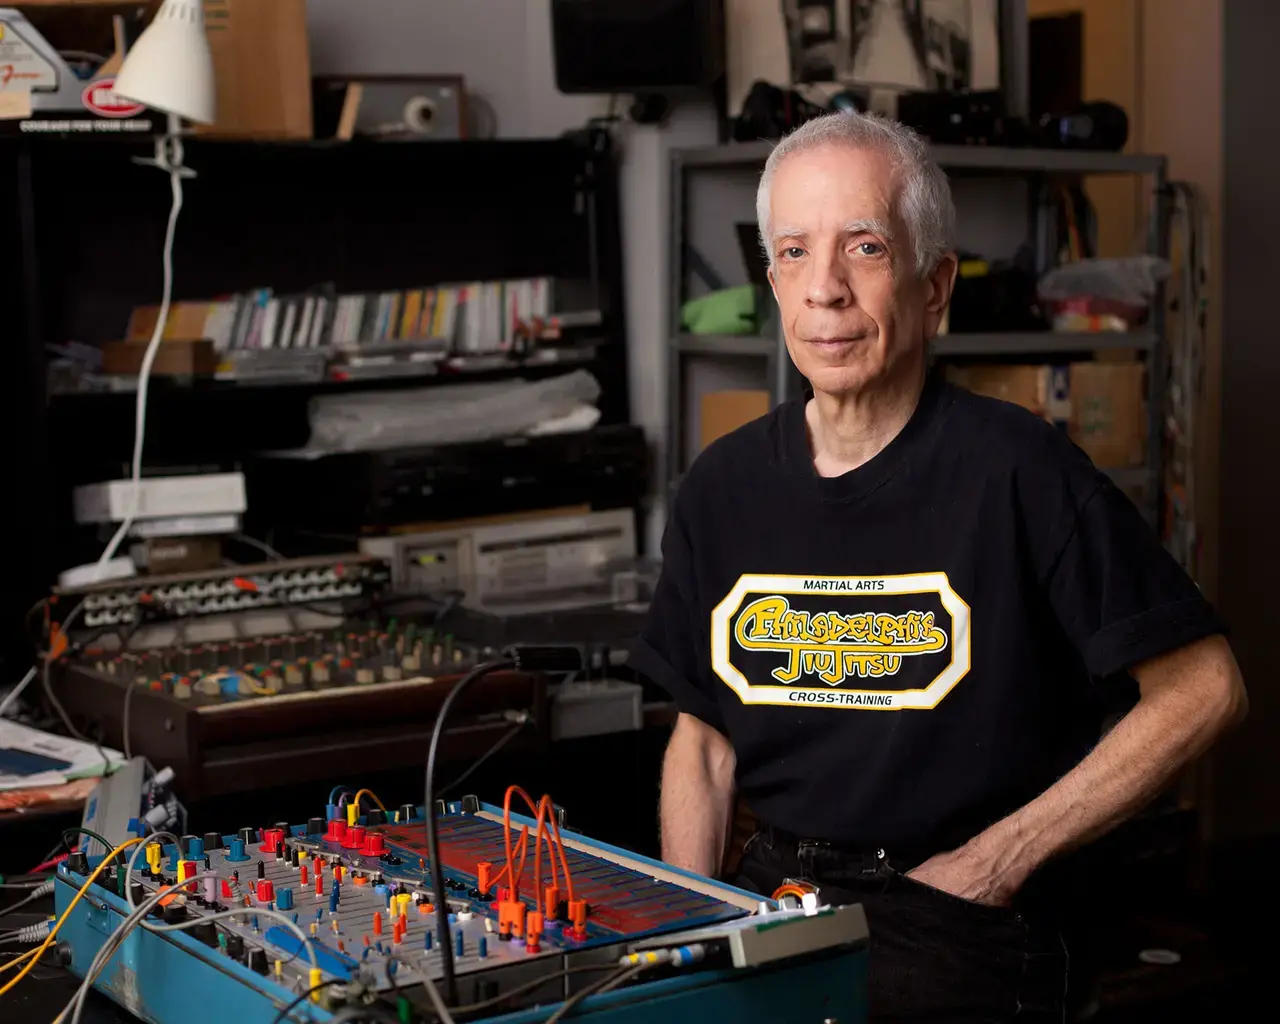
point(865, 860)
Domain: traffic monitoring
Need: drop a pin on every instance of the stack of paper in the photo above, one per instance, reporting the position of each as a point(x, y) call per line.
point(30, 757)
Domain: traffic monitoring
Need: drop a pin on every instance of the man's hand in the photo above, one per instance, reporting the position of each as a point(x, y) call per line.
point(965, 874)
point(1188, 697)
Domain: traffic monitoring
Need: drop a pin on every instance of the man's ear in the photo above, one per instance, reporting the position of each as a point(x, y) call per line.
point(938, 286)
point(773, 284)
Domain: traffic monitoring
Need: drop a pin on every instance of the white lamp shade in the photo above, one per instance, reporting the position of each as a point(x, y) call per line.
point(170, 67)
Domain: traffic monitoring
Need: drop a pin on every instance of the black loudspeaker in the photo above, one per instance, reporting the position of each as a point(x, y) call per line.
point(672, 47)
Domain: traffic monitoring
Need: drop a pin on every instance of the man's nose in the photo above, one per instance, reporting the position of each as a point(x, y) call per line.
point(828, 284)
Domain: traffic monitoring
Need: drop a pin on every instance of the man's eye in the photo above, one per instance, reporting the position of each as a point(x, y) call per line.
point(870, 248)
point(792, 252)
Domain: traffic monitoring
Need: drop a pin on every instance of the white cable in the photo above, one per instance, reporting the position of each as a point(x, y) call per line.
point(148, 358)
point(16, 692)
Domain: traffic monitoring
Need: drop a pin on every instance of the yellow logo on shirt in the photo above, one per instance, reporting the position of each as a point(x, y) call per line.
point(855, 637)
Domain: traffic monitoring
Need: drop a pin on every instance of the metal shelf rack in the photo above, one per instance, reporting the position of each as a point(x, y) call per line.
point(985, 161)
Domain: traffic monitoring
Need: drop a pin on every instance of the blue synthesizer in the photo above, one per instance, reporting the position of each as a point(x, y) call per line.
point(337, 920)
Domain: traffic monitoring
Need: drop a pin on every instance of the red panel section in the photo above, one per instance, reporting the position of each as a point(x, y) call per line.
point(622, 901)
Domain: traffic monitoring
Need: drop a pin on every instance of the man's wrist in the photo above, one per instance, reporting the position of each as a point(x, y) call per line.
point(1008, 853)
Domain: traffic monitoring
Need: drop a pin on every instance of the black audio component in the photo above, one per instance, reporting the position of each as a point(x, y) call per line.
point(606, 467)
point(658, 46)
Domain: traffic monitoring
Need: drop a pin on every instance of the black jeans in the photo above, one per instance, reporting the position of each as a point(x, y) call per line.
point(933, 957)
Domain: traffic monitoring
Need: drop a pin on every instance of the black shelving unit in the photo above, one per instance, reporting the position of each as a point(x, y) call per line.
point(84, 225)
point(779, 374)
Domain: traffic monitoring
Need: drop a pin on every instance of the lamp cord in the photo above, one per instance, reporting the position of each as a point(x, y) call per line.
point(168, 158)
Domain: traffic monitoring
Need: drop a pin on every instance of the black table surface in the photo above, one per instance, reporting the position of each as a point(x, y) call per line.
point(47, 988)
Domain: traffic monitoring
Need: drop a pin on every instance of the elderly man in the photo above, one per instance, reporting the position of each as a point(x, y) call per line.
point(889, 610)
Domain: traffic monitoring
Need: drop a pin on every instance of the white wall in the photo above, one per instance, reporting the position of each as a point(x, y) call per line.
point(502, 47)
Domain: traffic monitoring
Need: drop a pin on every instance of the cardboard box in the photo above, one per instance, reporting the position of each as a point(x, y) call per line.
point(262, 61)
point(1109, 412)
point(726, 411)
point(1027, 386)
point(1102, 404)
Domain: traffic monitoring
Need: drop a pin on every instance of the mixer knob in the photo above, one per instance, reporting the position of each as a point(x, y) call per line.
point(212, 841)
point(195, 848)
point(272, 838)
point(175, 913)
point(355, 838)
point(407, 813)
point(235, 946)
point(258, 961)
point(315, 826)
point(248, 836)
point(337, 832)
point(284, 899)
point(235, 850)
point(376, 817)
point(374, 845)
point(266, 891)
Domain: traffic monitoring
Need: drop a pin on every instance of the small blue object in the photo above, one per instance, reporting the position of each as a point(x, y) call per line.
point(426, 941)
point(459, 943)
point(174, 856)
point(365, 954)
point(254, 921)
point(378, 946)
point(195, 849)
point(284, 899)
point(387, 894)
point(295, 918)
point(330, 961)
point(230, 684)
point(392, 964)
point(381, 890)
point(482, 947)
point(134, 826)
point(320, 913)
point(333, 898)
point(331, 812)
point(453, 919)
point(235, 850)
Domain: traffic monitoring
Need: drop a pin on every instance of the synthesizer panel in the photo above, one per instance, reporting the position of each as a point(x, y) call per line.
point(347, 897)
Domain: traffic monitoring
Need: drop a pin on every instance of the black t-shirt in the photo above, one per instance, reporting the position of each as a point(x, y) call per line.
point(908, 652)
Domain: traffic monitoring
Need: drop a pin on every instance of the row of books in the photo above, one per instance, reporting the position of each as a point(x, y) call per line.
point(479, 317)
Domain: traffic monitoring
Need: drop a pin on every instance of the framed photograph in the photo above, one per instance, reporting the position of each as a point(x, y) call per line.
point(906, 45)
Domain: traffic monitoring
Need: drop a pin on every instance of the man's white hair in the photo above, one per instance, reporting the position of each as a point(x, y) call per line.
point(924, 197)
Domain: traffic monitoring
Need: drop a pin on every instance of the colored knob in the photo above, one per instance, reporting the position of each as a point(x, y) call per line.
point(266, 891)
point(184, 844)
point(375, 844)
point(337, 831)
point(482, 947)
point(355, 838)
point(460, 944)
point(284, 899)
point(315, 826)
point(195, 849)
point(407, 813)
point(186, 869)
point(271, 840)
point(334, 896)
point(377, 922)
point(235, 850)
point(213, 841)
point(210, 889)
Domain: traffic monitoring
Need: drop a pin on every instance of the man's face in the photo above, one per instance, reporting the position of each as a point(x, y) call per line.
point(852, 306)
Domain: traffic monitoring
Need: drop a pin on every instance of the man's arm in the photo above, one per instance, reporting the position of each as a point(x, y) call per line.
point(697, 795)
point(1188, 697)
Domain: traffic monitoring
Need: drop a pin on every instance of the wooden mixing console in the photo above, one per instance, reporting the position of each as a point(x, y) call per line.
point(225, 716)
